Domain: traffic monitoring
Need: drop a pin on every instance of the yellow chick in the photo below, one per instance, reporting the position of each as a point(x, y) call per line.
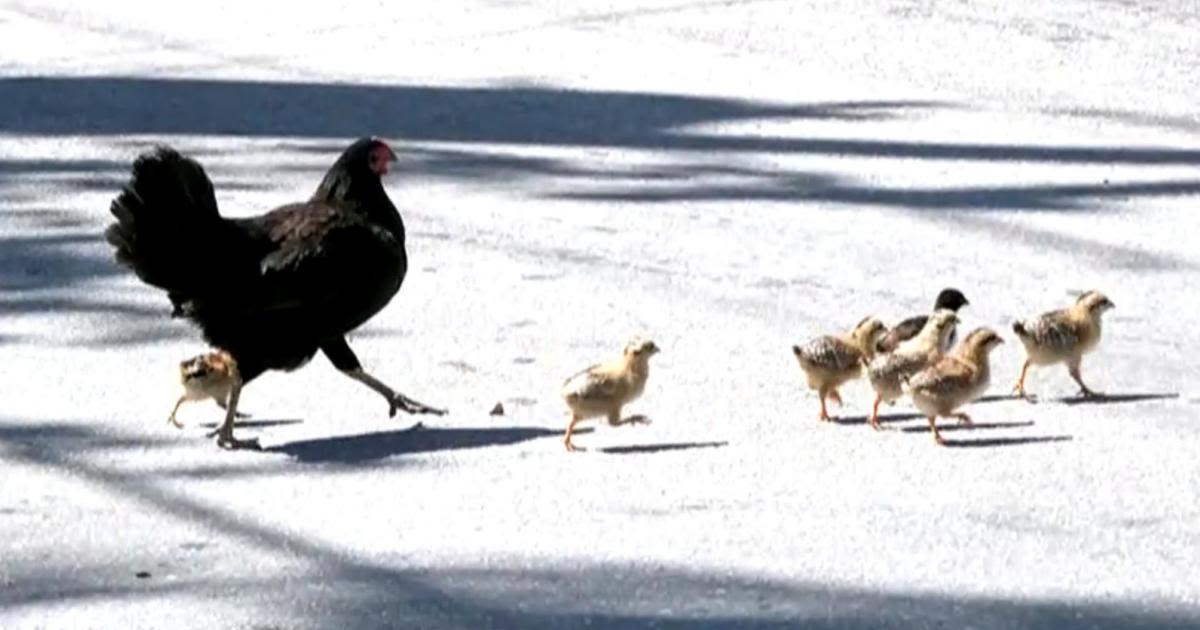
point(831, 361)
point(204, 376)
point(954, 380)
point(1062, 336)
point(603, 389)
point(886, 372)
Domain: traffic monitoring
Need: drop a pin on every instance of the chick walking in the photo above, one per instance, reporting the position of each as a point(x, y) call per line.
point(603, 389)
point(209, 375)
point(829, 362)
point(1062, 336)
point(954, 380)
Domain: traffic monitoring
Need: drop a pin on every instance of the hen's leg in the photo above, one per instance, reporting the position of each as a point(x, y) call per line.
point(224, 433)
point(343, 358)
point(1084, 390)
point(223, 405)
point(835, 396)
point(964, 419)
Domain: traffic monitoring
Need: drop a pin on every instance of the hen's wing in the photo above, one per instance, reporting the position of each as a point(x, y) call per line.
point(321, 272)
point(325, 258)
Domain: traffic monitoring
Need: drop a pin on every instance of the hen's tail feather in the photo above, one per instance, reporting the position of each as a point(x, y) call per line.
point(167, 225)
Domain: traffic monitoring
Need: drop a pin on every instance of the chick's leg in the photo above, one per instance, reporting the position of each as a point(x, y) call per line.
point(937, 436)
point(874, 421)
point(964, 419)
point(571, 429)
point(171, 419)
point(1019, 388)
point(1084, 390)
point(824, 415)
point(343, 358)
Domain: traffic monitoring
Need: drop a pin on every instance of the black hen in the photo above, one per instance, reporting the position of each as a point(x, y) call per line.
point(272, 289)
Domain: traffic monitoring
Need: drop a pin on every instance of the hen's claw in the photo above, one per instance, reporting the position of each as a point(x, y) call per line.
point(226, 441)
point(408, 405)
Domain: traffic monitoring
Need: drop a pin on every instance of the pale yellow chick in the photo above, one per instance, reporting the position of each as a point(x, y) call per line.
point(1062, 336)
point(954, 380)
point(886, 372)
point(603, 389)
point(209, 375)
point(831, 361)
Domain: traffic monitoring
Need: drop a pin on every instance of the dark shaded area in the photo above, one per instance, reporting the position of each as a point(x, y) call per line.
point(255, 424)
point(774, 186)
point(50, 260)
point(505, 114)
point(116, 105)
point(367, 447)
point(641, 449)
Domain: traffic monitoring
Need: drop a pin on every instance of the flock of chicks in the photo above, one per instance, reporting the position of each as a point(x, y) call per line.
point(917, 357)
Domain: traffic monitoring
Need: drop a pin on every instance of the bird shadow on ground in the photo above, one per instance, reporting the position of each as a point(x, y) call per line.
point(1007, 441)
point(367, 447)
point(924, 428)
point(255, 424)
point(996, 398)
point(1108, 399)
point(637, 449)
point(883, 418)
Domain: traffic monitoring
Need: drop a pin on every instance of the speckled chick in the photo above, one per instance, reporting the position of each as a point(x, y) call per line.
point(209, 375)
point(887, 371)
point(1063, 336)
point(830, 361)
point(954, 380)
point(603, 389)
